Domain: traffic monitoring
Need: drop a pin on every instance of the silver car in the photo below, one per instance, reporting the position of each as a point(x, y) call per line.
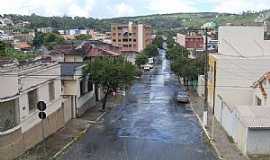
point(182, 97)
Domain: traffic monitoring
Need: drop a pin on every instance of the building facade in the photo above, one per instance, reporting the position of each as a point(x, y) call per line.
point(131, 37)
point(190, 41)
point(235, 95)
point(23, 87)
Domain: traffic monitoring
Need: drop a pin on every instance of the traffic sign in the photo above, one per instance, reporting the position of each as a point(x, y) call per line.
point(41, 106)
point(42, 115)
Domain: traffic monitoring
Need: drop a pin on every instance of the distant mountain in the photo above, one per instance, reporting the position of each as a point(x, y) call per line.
point(176, 21)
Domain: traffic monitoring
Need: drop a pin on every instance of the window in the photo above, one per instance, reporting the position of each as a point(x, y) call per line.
point(8, 114)
point(119, 40)
point(125, 40)
point(258, 101)
point(82, 87)
point(51, 91)
point(114, 40)
point(134, 40)
point(32, 100)
point(90, 85)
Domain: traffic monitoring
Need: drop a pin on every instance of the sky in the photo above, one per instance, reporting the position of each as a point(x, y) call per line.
point(122, 8)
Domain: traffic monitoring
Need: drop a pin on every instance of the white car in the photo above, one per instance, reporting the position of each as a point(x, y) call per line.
point(182, 97)
point(148, 67)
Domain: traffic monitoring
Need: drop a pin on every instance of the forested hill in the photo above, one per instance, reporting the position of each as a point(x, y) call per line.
point(158, 21)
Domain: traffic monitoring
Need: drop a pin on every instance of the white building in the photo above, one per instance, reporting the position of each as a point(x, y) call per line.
point(45, 29)
point(242, 58)
point(21, 88)
point(79, 90)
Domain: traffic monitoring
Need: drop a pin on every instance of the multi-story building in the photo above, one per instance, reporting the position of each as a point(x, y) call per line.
point(190, 41)
point(236, 96)
point(22, 86)
point(131, 36)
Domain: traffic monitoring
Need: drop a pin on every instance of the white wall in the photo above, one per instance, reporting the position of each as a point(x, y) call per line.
point(9, 86)
point(258, 142)
point(227, 117)
point(243, 40)
point(140, 37)
point(181, 39)
point(235, 76)
point(39, 76)
point(201, 84)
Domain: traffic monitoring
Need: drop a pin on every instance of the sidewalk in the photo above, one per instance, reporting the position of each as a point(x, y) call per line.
point(222, 143)
point(72, 132)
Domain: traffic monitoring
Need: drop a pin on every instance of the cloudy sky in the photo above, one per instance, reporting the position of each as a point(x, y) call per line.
point(119, 8)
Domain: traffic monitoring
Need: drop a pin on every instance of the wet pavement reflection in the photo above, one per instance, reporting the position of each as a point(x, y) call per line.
point(148, 125)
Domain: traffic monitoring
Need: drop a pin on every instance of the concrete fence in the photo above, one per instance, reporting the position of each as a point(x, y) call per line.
point(229, 120)
point(16, 142)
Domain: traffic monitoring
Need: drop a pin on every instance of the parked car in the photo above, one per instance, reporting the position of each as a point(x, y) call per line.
point(147, 67)
point(182, 97)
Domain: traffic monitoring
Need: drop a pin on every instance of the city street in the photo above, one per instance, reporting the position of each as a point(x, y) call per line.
point(148, 125)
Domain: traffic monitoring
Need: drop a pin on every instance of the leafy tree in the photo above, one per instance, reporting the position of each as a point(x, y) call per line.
point(38, 40)
point(183, 66)
point(111, 74)
point(83, 37)
point(158, 41)
point(151, 50)
point(2, 48)
point(141, 59)
point(53, 37)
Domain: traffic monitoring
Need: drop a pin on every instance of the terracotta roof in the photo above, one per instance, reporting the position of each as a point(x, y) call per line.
point(23, 45)
point(260, 80)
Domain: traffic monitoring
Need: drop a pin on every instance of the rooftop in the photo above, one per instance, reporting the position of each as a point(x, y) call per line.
point(254, 117)
point(13, 67)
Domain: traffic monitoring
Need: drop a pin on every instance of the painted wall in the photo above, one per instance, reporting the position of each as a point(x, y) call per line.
point(234, 77)
point(140, 38)
point(232, 42)
point(181, 39)
point(258, 141)
point(8, 84)
point(228, 119)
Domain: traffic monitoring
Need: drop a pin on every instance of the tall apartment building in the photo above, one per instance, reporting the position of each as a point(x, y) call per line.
point(131, 36)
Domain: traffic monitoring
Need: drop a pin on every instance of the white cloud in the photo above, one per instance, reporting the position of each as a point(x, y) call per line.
point(237, 6)
point(48, 7)
point(171, 6)
point(123, 9)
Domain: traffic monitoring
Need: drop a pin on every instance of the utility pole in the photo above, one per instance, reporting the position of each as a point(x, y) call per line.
point(205, 109)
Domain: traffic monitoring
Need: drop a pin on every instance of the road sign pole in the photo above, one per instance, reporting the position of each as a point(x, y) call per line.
point(41, 106)
point(43, 138)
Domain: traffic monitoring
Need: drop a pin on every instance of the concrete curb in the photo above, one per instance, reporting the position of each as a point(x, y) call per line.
point(82, 133)
point(206, 133)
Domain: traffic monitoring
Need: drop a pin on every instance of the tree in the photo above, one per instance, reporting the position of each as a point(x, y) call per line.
point(83, 37)
point(110, 74)
point(158, 41)
point(53, 37)
point(151, 50)
point(181, 65)
point(141, 59)
point(3, 47)
point(38, 40)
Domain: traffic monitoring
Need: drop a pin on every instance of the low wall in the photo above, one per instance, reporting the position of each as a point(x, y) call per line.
point(16, 143)
point(91, 102)
point(228, 119)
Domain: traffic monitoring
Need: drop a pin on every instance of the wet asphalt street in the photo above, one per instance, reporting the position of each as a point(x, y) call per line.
point(148, 125)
